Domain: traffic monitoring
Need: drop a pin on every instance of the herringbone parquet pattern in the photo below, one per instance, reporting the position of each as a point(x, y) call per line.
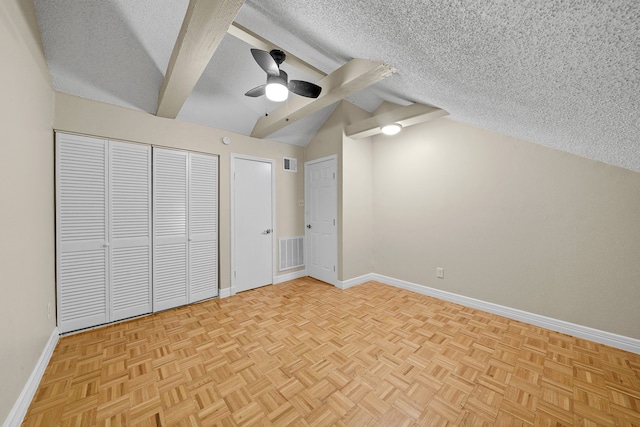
point(305, 353)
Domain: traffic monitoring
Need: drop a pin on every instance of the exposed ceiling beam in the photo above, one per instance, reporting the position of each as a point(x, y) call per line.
point(205, 24)
point(406, 116)
point(353, 76)
point(259, 42)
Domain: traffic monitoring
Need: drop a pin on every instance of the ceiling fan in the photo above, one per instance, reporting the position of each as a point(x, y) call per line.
point(277, 87)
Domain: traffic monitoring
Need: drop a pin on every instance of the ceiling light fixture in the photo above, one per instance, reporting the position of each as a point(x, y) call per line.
point(276, 89)
point(391, 129)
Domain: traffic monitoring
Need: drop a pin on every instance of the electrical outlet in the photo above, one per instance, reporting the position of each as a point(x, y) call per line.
point(49, 311)
point(440, 273)
point(301, 203)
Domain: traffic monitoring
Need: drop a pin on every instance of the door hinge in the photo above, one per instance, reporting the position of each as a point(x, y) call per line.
point(334, 222)
point(334, 268)
point(334, 175)
point(234, 274)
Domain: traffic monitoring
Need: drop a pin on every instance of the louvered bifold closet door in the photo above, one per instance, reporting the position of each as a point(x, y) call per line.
point(203, 226)
point(130, 230)
point(81, 232)
point(170, 193)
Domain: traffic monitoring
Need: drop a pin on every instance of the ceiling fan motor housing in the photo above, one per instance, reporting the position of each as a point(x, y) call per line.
point(278, 56)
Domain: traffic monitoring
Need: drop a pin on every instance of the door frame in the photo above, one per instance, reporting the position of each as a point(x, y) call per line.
point(233, 158)
point(333, 157)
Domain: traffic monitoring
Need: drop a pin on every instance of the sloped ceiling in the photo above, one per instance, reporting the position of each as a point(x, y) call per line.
point(561, 74)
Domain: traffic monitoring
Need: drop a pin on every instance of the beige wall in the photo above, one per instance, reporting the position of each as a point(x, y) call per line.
point(511, 222)
point(357, 202)
point(27, 271)
point(79, 115)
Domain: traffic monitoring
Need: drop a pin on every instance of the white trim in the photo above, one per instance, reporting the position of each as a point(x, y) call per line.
point(289, 276)
point(602, 337)
point(322, 159)
point(346, 284)
point(19, 410)
point(225, 293)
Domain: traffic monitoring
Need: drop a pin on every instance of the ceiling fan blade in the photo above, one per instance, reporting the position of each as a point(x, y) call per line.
point(302, 88)
point(256, 91)
point(266, 62)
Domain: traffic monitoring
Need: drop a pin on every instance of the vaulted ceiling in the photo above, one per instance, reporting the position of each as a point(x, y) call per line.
point(562, 74)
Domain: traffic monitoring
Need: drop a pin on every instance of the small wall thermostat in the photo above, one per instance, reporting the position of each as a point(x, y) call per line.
point(226, 140)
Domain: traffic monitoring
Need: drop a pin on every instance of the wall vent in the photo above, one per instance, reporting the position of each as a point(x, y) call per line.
point(290, 164)
point(291, 252)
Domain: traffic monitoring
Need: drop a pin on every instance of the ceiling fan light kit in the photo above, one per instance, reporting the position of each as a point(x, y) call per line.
point(391, 129)
point(276, 89)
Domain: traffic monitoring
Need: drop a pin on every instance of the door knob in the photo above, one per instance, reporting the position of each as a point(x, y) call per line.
point(309, 226)
point(267, 231)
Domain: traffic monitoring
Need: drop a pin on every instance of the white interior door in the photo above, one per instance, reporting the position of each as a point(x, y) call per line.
point(130, 229)
point(103, 230)
point(81, 231)
point(170, 192)
point(252, 223)
point(321, 212)
point(203, 227)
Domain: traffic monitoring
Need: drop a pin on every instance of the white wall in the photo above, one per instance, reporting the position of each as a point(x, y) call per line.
point(511, 222)
point(27, 274)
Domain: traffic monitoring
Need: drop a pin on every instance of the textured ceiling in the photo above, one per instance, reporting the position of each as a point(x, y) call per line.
point(564, 74)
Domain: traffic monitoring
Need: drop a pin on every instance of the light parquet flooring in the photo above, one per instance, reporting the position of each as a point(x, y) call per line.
point(306, 353)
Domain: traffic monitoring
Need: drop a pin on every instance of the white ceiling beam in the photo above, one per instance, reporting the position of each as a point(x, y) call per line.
point(205, 24)
point(259, 42)
point(405, 116)
point(353, 76)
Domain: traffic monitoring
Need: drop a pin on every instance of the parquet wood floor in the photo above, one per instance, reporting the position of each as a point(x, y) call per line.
point(306, 353)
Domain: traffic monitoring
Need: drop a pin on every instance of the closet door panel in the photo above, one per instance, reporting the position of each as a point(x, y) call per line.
point(170, 276)
point(170, 202)
point(81, 232)
point(204, 270)
point(203, 226)
point(82, 293)
point(130, 230)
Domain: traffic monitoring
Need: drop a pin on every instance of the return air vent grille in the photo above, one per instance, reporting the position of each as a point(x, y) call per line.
point(291, 252)
point(290, 164)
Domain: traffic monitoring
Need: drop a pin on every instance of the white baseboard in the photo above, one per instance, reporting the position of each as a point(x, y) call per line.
point(345, 284)
point(21, 406)
point(230, 291)
point(289, 276)
point(596, 335)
